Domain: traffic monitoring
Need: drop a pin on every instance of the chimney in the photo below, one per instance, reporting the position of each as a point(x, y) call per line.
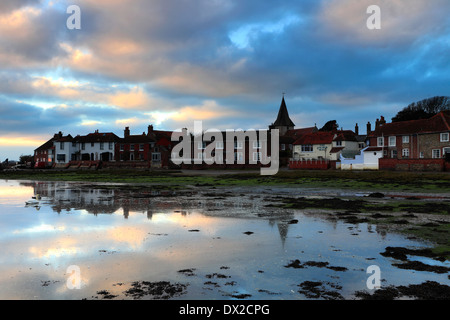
point(150, 129)
point(126, 132)
point(369, 128)
point(356, 129)
point(377, 123)
point(382, 121)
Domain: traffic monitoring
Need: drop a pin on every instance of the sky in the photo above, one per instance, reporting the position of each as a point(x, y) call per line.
point(224, 62)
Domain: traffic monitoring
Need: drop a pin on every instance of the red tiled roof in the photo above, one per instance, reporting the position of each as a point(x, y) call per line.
point(345, 135)
point(437, 123)
point(98, 137)
point(319, 137)
point(299, 132)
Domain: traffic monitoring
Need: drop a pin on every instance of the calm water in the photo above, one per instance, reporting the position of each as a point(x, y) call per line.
point(233, 244)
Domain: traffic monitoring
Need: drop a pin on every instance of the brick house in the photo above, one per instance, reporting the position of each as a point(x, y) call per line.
point(414, 139)
point(153, 148)
point(413, 145)
point(44, 155)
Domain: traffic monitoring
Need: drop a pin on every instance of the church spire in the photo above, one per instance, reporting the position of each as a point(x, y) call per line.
point(283, 119)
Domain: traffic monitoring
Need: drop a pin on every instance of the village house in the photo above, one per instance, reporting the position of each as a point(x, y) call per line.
point(326, 145)
point(44, 155)
point(413, 145)
point(95, 146)
point(152, 149)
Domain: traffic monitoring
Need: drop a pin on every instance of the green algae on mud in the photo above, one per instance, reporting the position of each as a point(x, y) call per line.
point(438, 182)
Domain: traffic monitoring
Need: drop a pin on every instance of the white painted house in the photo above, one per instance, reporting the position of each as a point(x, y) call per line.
point(326, 145)
point(92, 147)
point(65, 147)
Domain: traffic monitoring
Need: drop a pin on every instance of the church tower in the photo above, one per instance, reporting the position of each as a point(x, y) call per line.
point(283, 122)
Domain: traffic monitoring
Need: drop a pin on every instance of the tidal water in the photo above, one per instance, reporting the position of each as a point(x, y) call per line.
point(217, 246)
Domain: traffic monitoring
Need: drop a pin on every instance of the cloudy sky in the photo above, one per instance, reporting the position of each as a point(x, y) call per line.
point(225, 62)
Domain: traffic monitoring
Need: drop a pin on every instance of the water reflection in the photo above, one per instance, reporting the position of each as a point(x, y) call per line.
point(69, 197)
point(119, 234)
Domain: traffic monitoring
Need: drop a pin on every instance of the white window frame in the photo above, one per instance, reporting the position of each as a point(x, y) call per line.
point(380, 141)
point(238, 156)
point(307, 148)
point(405, 139)
point(421, 155)
point(201, 145)
point(256, 144)
point(444, 137)
point(257, 156)
point(405, 153)
point(434, 155)
point(392, 141)
point(238, 145)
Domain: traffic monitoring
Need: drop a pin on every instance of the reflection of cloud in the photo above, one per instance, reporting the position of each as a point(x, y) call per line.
point(40, 228)
point(67, 248)
point(132, 236)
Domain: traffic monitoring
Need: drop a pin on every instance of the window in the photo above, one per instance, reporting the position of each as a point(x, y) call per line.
point(219, 145)
point(83, 146)
point(380, 141)
point(421, 155)
point(445, 137)
point(61, 145)
point(156, 156)
point(283, 146)
point(338, 143)
point(238, 144)
point(110, 145)
point(132, 147)
point(436, 153)
point(405, 139)
point(405, 153)
point(141, 147)
point(256, 156)
point(307, 148)
point(102, 146)
point(391, 141)
point(256, 144)
point(394, 154)
point(201, 145)
point(121, 147)
point(445, 151)
point(238, 156)
point(74, 144)
point(92, 144)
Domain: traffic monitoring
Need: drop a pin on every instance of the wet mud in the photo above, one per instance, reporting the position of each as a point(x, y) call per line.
point(429, 290)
